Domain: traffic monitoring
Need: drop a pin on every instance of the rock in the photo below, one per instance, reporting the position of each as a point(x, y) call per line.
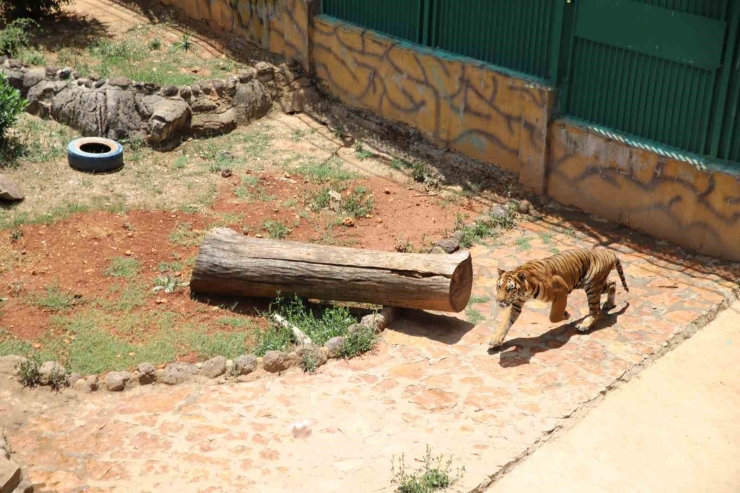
point(116, 381)
point(51, 72)
point(89, 384)
point(122, 115)
point(195, 89)
point(214, 123)
point(245, 364)
point(335, 346)
point(83, 110)
point(487, 221)
point(65, 73)
point(498, 211)
point(169, 91)
point(457, 235)
point(203, 105)
point(99, 83)
point(449, 245)
point(51, 372)
point(147, 373)
point(73, 378)
point(218, 86)
point(185, 92)
point(293, 102)
point(121, 82)
point(33, 77)
point(15, 78)
point(438, 251)
point(15, 64)
point(524, 207)
point(9, 364)
point(264, 68)
point(207, 88)
point(177, 373)
point(355, 328)
point(168, 118)
point(252, 101)
point(226, 173)
point(247, 75)
point(214, 367)
point(311, 351)
point(10, 476)
point(277, 361)
point(93, 76)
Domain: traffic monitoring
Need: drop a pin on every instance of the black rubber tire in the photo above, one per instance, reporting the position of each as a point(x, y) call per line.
point(95, 162)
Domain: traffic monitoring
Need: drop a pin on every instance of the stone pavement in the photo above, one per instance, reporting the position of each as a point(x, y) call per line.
point(431, 382)
point(673, 429)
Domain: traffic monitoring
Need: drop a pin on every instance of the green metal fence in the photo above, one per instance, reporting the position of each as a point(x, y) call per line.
point(667, 71)
point(516, 34)
point(399, 18)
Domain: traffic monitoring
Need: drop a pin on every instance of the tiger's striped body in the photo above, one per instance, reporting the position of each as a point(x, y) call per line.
point(551, 280)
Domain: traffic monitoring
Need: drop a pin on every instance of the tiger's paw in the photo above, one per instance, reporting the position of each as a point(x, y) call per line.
point(566, 315)
point(495, 343)
point(608, 306)
point(586, 324)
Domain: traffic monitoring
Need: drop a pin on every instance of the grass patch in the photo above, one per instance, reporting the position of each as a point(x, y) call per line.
point(54, 299)
point(474, 300)
point(277, 230)
point(133, 295)
point(434, 474)
point(171, 267)
point(399, 164)
point(474, 316)
point(359, 203)
point(274, 338)
point(358, 343)
point(361, 153)
point(330, 321)
point(546, 238)
point(185, 236)
point(523, 243)
point(252, 190)
point(230, 345)
point(329, 171)
point(123, 267)
point(9, 344)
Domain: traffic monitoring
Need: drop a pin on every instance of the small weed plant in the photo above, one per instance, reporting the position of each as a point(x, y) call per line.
point(167, 284)
point(435, 474)
point(277, 230)
point(123, 267)
point(185, 43)
point(28, 372)
point(54, 299)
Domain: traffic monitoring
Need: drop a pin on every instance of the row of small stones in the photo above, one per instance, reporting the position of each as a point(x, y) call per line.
point(265, 72)
point(53, 374)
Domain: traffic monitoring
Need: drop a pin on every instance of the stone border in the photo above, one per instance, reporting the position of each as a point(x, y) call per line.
point(217, 367)
point(12, 478)
point(119, 108)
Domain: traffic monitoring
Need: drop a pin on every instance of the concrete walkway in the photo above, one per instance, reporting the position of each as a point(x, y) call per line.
point(672, 429)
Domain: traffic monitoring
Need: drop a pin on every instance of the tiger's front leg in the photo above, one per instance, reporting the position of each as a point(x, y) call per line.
point(558, 311)
point(510, 316)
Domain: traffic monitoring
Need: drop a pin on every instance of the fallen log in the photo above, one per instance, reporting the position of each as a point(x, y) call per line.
point(232, 264)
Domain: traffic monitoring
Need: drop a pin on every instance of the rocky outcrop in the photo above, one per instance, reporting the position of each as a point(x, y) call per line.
point(119, 108)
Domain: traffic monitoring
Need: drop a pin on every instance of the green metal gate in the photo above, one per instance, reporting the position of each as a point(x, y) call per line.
point(399, 18)
point(650, 68)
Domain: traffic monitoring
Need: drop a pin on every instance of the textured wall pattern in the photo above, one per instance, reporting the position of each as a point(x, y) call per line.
point(671, 199)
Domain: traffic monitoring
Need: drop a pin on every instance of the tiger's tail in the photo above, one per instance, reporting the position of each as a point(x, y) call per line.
point(618, 266)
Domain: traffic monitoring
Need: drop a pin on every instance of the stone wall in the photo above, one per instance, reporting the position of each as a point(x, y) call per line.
point(120, 109)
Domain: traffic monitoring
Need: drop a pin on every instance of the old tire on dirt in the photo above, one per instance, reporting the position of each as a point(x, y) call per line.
point(95, 154)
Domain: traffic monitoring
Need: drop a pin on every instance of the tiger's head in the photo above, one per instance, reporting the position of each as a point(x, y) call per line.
point(511, 286)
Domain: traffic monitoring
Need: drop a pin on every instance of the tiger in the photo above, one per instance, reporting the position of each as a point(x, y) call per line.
point(552, 279)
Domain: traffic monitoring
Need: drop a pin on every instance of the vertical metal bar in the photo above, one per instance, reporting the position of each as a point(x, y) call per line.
point(724, 85)
point(567, 36)
point(424, 21)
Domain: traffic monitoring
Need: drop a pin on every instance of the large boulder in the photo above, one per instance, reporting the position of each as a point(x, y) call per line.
point(277, 361)
point(245, 364)
point(205, 124)
point(214, 367)
point(9, 190)
point(177, 373)
point(81, 109)
point(123, 119)
point(252, 101)
point(169, 117)
point(116, 381)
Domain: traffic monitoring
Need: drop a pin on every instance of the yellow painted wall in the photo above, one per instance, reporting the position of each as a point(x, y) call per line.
point(461, 105)
point(664, 197)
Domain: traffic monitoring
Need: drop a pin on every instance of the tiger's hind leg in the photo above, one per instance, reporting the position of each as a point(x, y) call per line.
point(593, 293)
point(611, 298)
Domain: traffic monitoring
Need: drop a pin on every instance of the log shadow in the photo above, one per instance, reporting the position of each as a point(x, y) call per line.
point(437, 327)
point(524, 348)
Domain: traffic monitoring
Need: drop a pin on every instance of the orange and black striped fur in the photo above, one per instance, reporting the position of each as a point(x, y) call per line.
point(552, 279)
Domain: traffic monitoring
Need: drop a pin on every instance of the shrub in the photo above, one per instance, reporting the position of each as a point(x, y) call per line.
point(31, 8)
point(15, 37)
point(11, 106)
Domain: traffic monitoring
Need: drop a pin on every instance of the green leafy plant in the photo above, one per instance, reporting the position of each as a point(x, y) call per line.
point(277, 230)
point(168, 284)
point(11, 106)
point(419, 172)
point(16, 36)
point(332, 321)
point(434, 474)
point(359, 203)
point(184, 44)
point(155, 44)
point(358, 342)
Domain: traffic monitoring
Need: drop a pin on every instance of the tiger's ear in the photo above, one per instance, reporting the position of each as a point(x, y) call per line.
point(501, 271)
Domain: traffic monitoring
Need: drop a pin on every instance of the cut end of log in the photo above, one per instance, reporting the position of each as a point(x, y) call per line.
point(462, 284)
